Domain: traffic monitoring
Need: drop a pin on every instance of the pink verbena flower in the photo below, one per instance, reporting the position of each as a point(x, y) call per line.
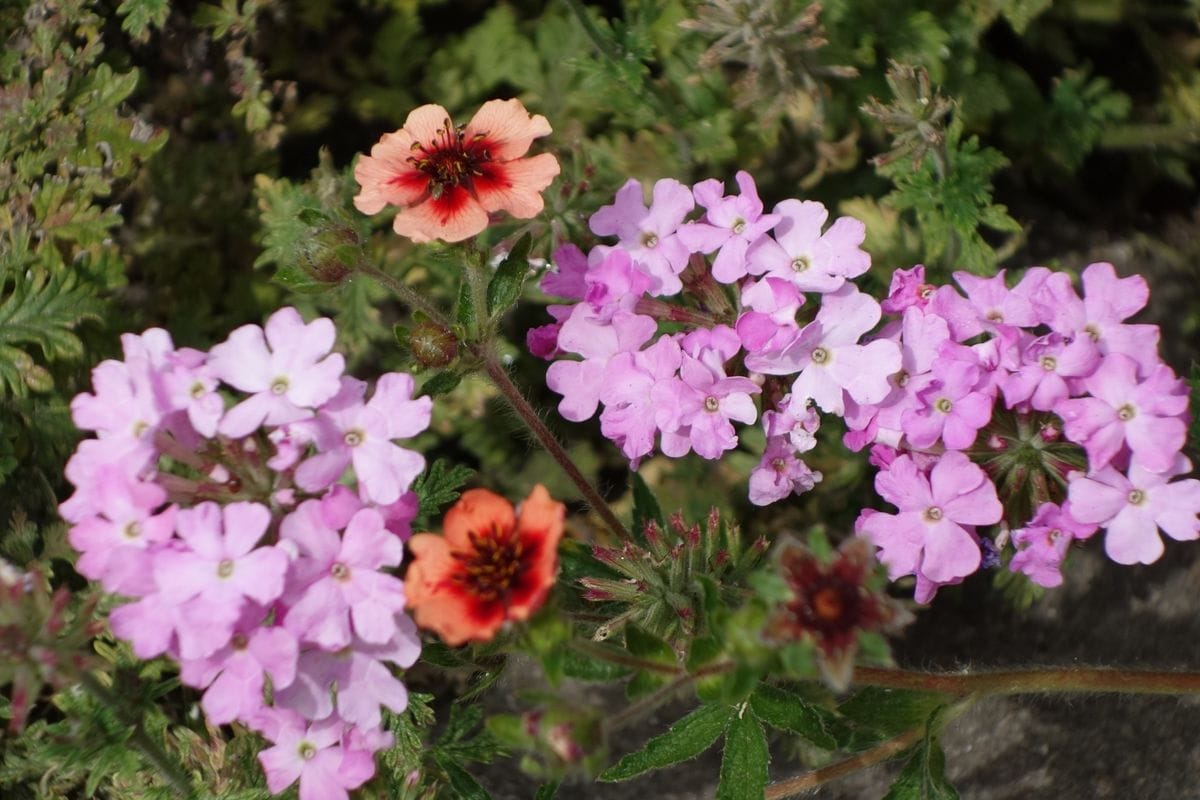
point(1108, 301)
point(799, 253)
point(290, 372)
point(339, 578)
point(732, 223)
point(949, 407)
point(933, 535)
point(348, 431)
point(780, 474)
point(648, 234)
point(233, 676)
point(1146, 415)
point(1133, 508)
point(1042, 543)
point(632, 417)
point(221, 564)
point(908, 288)
point(1048, 364)
point(580, 382)
point(317, 754)
point(828, 357)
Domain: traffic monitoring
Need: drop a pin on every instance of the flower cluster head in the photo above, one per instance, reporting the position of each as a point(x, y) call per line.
point(491, 565)
point(233, 529)
point(446, 180)
point(729, 279)
point(1054, 398)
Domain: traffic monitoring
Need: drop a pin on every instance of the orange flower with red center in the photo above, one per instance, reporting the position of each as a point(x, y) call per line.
point(490, 566)
point(446, 179)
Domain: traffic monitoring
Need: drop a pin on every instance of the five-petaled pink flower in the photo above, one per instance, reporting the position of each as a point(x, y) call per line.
point(446, 179)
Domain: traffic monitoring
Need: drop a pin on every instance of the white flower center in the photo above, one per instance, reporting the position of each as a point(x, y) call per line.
point(353, 438)
point(711, 404)
point(1137, 497)
point(739, 225)
point(649, 240)
point(821, 356)
point(933, 514)
point(801, 263)
point(944, 405)
point(279, 385)
point(1049, 363)
point(1126, 412)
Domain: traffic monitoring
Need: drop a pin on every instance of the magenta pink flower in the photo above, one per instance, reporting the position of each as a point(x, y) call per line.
point(648, 235)
point(580, 382)
point(568, 276)
point(933, 534)
point(828, 357)
point(732, 224)
point(289, 373)
point(347, 430)
point(780, 474)
point(1108, 302)
point(949, 407)
point(1132, 509)
point(800, 254)
point(1047, 364)
point(220, 563)
point(702, 401)
point(116, 544)
point(313, 754)
point(631, 417)
point(771, 321)
point(614, 283)
point(341, 579)
point(908, 288)
point(233, 675)
point(1042, 544)
point(1146, 415)
point(996, 304)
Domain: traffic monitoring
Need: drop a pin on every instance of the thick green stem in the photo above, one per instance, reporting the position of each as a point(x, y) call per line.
point(546, 439)
point(140, 739)
point(1034, 681)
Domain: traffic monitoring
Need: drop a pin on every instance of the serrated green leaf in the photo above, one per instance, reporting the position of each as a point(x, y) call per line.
point(505, 286)
point(683, 741)
point(644, 644)
point(464, 309)
point(891, 711)
point(437, 486)
point(745, 761)
point(140, 15)
point(547, 791)
point(578, 666)
point(790, 712)
point(462, 784)
point(924, 776)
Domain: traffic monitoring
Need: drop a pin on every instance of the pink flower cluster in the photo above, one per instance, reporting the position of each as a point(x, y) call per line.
point(665, 370)
point(1035, 347)
point(233, 529)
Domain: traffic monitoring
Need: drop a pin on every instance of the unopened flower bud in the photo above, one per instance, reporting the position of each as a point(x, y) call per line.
point(432, 345)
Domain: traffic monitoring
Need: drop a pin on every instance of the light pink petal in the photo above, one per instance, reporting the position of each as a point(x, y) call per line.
point(1096, 502)
point(277, 651)
point(385, 470)
point(259, 575)
point(319, 472)
point(1132, 537)
point(316, 384)
point(232, 696)
point(863, 370)
point(904, 485)
point(245, 523)
point(950, 552)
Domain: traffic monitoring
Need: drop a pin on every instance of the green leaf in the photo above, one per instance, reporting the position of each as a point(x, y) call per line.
point(924, 776)
point(440, 383)
point(547, 791)
point(505, 286)
point(578, 666)
point(295, 279)
point(744, 763)
point(141, 15)
point(790, 712)
point(462, 785)
point(44, 312)
point(464, 310)
point(891, 711)
point(645, 505)
point(683, 741)
point(440, 485)
point(644, 644)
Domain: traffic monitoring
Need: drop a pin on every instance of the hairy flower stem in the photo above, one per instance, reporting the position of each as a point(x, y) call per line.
point(499, 377)
point(868, 758)
point(140, 739)
point(407, 295)
point(1034, 681)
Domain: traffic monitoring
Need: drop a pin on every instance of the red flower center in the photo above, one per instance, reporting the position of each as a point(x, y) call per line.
point(495, 564)
point(452, 159)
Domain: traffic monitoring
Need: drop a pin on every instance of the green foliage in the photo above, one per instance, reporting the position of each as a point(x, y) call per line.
point(683, 741)
point(924, 776)
point(889, 712)
point(505, 286)
point(437, 487)
point(40, 310)
point(745, 760)
point(789, 712)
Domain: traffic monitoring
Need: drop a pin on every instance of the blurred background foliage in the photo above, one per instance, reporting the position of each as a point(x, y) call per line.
point(187, 165)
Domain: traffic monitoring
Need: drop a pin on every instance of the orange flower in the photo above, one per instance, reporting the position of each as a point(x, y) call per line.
point(446, 179)
point(490, 565)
